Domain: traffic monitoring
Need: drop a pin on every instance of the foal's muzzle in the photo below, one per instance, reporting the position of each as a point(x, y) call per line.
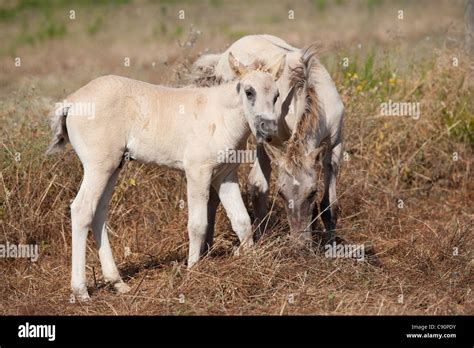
point(266, 128)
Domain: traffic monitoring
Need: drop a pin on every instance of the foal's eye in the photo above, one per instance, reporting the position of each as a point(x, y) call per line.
point(276, 97)
point(249, 93)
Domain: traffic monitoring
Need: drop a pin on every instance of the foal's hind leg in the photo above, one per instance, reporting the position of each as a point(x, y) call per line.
point(259, 185)
point(99, 228)
point(329, 201)
point(83, 210)
point(198, 186)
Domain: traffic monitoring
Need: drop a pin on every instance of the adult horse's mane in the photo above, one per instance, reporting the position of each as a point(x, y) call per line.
point(304, 75)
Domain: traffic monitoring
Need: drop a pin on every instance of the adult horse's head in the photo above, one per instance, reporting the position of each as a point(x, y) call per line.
point(297, 183)
point(259, 92)
point(297, 174)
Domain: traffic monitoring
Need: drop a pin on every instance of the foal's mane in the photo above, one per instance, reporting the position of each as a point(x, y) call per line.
point(304, 75)
point(206, 76)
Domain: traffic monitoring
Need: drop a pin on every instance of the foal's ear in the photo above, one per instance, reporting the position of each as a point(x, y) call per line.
point(277, 69)
point(237, 67)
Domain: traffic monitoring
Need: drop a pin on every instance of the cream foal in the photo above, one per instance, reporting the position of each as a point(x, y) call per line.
point(183, 129)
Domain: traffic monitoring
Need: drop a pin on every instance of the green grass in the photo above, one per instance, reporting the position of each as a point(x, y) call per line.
point(320, 4)
point(50, 6)
point(52, 25)
point(178, 32)
point(96, 26)
point(371, 4)
point(50, 28)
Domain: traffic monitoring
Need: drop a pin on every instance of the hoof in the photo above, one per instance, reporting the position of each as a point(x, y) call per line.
point(80, 295)
point(84, 297)
point(244, 249)
point(121, 287)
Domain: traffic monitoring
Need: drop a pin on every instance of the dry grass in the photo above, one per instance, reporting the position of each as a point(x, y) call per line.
point(390, 158)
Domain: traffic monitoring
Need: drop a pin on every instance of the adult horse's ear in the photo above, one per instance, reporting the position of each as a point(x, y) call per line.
point(237, 67)
point(277, 69)
point(275, 153)
point(314, 155)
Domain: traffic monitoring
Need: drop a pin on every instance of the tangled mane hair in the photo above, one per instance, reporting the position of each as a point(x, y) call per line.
point(302, 75)
point(204, 73)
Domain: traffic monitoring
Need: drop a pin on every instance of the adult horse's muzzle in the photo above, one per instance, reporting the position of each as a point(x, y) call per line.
point(266, 129)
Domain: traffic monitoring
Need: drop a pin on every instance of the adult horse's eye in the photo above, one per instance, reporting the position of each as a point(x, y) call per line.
point(311, 195)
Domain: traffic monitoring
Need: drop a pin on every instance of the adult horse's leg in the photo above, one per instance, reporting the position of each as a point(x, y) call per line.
point(229, 194)
point(259, 185)
point(212, 206)
point(198, 186)
point(99, 229)
point(83, 210)
point(329, 201)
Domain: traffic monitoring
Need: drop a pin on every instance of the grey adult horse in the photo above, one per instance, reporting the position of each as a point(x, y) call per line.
point(311, 121)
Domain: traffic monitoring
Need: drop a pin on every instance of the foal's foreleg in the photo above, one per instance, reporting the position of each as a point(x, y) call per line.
point(329, 201)
point(231, 198)
point(259, 184)
point(99, 229)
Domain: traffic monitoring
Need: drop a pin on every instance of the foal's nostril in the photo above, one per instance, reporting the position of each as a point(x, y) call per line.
point(268, 126)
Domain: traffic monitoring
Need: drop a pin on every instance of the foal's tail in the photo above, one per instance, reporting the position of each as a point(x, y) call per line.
point(59, 129)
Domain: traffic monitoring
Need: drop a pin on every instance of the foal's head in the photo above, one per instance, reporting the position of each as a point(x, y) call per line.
point(258, 92)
